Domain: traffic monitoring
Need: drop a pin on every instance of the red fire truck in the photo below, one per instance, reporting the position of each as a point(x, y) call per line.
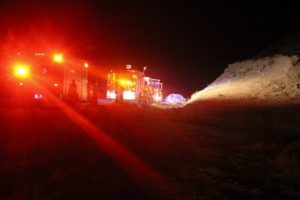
point(133, 85)
point(27, 73)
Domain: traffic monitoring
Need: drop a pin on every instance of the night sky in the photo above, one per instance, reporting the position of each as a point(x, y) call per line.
point(186, 45)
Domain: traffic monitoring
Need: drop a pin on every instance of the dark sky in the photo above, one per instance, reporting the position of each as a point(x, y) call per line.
point(186, 45)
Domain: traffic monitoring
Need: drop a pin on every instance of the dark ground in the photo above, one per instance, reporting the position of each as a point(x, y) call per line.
point(209, 150)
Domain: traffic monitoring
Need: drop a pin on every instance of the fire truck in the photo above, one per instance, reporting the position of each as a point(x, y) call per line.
point(29, 75)
point(133, 85)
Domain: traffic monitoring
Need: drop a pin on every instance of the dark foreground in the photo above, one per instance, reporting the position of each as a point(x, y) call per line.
point(210, 150)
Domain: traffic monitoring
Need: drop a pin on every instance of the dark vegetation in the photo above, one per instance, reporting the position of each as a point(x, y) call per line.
point(208, 150)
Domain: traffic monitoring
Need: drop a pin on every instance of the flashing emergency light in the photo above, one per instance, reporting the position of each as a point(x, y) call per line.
point(21, 71)
point(123, 82)
point(58, 58)
point(86, 65)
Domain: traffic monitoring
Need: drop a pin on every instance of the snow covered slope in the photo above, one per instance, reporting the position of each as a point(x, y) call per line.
point(276, 78)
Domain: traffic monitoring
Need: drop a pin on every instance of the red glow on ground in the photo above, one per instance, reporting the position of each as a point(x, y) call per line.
point(122, 156)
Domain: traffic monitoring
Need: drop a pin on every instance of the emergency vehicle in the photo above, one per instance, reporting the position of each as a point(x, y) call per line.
point(27, 73)
point(133, 85)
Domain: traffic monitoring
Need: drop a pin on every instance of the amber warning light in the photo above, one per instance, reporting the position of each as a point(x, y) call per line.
point(21, 71)
point(58, 58)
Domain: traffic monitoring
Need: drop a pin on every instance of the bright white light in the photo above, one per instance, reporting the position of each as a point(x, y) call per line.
point(38, 96)
point(157, 97)
point(110, 95)
point(128, 66)
point(128, 95)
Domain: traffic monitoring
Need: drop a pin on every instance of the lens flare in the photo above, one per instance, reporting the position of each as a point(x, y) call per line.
point(124, 157)
point(21, 71)
point(58, 58)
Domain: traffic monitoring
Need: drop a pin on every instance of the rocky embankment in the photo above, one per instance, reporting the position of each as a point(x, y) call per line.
point(269, 78)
